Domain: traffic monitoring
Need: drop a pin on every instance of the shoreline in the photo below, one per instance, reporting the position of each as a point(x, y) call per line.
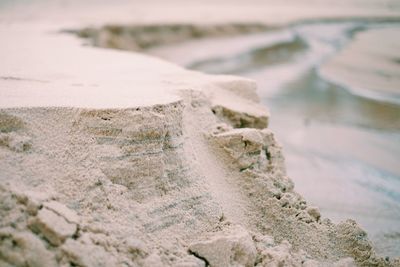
point(372, 94)
point(121, 41)
point(374, 71)
point(133, 36)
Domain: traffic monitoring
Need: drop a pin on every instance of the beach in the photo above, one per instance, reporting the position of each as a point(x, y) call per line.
point(113, 155)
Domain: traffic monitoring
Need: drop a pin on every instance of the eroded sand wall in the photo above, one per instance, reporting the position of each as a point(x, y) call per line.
point(164, 185)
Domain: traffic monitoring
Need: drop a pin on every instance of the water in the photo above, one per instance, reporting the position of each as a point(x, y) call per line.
point(342, 150)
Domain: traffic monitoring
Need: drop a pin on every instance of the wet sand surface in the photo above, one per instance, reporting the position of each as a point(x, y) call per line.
point(341, 148)
point(373, 62)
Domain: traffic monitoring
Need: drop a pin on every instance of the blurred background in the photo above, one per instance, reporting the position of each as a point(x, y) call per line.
point(329, 72)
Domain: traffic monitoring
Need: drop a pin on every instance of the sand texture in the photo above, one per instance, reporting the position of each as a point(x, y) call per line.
point(153, 185)
point(111, 158)
point(192, 180)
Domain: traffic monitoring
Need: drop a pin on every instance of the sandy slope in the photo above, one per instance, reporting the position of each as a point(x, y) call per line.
point(118, 159)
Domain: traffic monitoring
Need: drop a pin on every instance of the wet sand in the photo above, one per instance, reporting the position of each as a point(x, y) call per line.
point(369, 66)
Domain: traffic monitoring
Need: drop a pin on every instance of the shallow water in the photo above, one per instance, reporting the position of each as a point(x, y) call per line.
point(342, 150)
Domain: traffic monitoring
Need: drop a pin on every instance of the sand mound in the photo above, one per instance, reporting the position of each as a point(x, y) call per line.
point(176, 184)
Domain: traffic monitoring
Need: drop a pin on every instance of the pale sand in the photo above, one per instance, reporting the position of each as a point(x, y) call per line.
point(119, 159)
point(271, 12)
point(369, 66)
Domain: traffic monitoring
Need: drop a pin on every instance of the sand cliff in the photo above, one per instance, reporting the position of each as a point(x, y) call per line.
point(112, 158)
point(155, 185)
point(186, 175)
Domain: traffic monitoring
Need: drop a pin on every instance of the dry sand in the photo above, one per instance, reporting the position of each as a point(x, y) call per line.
point(112, 158)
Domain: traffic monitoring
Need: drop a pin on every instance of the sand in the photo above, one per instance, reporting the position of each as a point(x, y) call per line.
point(271, 12)
point(113, 158)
